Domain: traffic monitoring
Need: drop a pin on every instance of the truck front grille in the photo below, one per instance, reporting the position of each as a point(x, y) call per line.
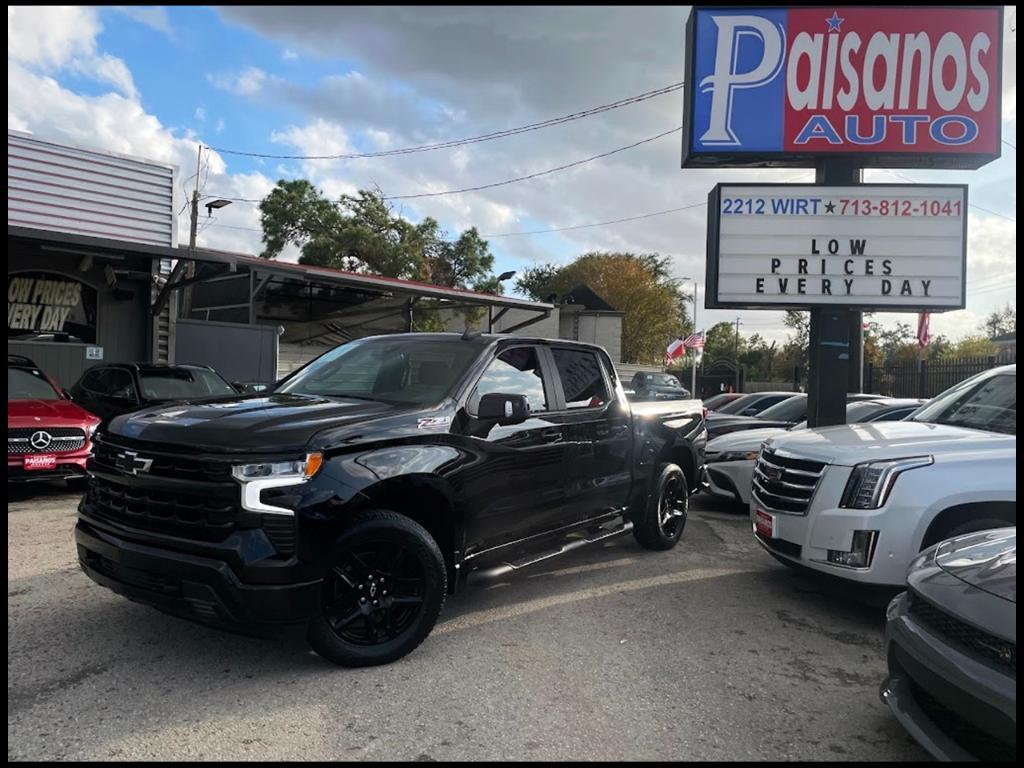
point(177, 514)
point(29, 440)
point(785, 484)
point(978, 643)
point(108, 456)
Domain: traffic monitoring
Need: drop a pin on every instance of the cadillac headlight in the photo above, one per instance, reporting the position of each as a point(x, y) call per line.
point(870, 483)
point(258, 477)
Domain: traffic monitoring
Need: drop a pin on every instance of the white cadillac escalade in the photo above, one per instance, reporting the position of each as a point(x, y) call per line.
point(860, 501)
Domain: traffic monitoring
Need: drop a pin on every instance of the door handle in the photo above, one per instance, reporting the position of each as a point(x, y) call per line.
point(551, 434)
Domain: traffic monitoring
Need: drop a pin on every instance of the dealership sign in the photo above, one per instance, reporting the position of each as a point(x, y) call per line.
point(892, 247)
point(910, 86)
point(45, 306)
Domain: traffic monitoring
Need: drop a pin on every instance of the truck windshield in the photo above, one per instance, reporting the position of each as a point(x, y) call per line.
point(404, 370)
point(985, 401)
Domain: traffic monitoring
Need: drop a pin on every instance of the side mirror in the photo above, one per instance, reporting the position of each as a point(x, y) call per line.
point(504, 409)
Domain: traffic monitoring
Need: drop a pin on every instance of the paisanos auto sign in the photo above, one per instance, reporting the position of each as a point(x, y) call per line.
point(894, 86)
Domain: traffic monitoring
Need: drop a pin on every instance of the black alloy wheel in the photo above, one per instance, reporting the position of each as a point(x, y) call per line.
point(374, 593)
point(672, 506)
point(383, 589)
point(659, 524)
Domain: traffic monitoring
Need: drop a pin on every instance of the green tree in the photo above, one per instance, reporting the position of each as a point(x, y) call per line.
point(362, 233)
point(970, 346)
point(1001, 321)
point(637, 285)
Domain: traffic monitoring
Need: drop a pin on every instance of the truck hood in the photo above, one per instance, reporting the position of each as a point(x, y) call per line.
point(246, 424)
point(852, 444)
point(47, 413)
point(724, 423)
point(986, 560)
point(746, 440)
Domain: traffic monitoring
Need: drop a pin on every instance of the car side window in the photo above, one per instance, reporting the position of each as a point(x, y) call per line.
point(115, 382)
point(582, 381)
point(515, 371)
point(91, 380)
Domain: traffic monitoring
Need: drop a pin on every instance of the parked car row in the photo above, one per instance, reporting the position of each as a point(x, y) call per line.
point(920, 496)
point(50, 429)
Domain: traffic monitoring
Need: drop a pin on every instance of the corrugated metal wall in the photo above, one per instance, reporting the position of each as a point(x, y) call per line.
point(68, 189)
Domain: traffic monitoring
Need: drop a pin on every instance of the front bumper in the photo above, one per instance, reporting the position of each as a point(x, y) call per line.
point(956, 707)
point(189, 585)
point(731, 480)
point(69, 465)
point(805, 539)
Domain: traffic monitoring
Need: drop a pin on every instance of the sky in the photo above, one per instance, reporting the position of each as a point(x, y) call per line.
point(156, 82)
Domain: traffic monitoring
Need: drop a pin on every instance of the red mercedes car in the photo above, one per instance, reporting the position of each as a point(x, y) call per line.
point(48, 436)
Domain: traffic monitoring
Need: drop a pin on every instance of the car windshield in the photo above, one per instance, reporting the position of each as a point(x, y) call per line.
point(791, 409)
point(738, 404)
point(986, 401)
point(405, 370)
point(26, 384)
point(662, 380)
point(183, 384)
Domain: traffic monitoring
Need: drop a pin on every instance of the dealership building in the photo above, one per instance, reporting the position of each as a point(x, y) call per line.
point(96, 273)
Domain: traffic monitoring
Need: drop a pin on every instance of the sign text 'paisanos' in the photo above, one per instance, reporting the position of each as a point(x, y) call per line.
point(893, 86)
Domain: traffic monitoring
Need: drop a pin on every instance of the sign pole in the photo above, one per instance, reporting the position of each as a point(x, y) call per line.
point(834, 352)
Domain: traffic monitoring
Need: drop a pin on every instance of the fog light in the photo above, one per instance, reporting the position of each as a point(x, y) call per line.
point(860, 554)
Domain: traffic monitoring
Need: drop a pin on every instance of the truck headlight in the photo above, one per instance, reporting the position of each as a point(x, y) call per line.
point(258, 477)
point(870, 482)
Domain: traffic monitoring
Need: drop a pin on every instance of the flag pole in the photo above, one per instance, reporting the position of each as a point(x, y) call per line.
point(693, 368)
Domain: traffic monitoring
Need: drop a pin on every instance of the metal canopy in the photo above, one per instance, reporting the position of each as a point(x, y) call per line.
point(384, 287)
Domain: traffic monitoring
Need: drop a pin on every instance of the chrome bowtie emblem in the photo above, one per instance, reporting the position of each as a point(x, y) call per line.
point(373, 590)
point(40, 440)
point(129, 461)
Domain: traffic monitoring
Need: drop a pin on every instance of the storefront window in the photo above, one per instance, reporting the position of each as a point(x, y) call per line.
point(50, 307)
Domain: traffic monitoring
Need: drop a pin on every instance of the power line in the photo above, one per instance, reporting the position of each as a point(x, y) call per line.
point(599, 223)
point(471, 139)
point(505, 182)
point(1011, 146)
point(556, 169)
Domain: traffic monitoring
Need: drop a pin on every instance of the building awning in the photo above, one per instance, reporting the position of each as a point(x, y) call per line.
point(383, 286)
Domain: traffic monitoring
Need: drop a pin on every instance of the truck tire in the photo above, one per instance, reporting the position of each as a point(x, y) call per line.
point(382, 592)
point(660, 523)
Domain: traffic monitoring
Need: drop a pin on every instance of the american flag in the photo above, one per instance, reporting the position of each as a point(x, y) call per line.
point(923, 337)
point(694, 340)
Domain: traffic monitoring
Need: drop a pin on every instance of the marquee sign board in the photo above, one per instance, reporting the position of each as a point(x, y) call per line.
point(885, 247)
point(892, 86)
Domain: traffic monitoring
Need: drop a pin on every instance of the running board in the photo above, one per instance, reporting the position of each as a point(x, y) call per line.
point(589, 537)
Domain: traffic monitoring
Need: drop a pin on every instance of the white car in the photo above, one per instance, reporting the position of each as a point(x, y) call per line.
point(730, 458)
point(860, 501)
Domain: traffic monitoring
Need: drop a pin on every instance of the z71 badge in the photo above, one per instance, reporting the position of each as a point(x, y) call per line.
point(433, 422)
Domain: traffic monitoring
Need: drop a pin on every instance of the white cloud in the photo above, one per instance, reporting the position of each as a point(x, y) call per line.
point(200, 114)
point(219, 128)
point(152, 16)
point(50, 39)
point(289, 55)
point(249, 82)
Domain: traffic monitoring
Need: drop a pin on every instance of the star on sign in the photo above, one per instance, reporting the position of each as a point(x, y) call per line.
point(830, 207)
point(834, 22)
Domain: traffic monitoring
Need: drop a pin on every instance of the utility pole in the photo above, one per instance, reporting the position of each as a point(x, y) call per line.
point(736, 354)
point(190, 268)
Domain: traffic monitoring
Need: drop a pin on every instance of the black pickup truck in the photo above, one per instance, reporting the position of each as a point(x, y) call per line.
point(354, 496)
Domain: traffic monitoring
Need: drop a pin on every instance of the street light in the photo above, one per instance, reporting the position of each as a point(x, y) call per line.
point(219, 203)
point(506, 276)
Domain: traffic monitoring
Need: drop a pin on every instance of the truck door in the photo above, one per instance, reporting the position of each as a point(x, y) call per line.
point(517, 488)
point(596, 428)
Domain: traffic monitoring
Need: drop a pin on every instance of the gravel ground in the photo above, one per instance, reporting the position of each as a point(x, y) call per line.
point(711, 651)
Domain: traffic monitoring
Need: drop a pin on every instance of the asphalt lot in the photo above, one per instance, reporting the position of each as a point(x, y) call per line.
point(711, 651)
